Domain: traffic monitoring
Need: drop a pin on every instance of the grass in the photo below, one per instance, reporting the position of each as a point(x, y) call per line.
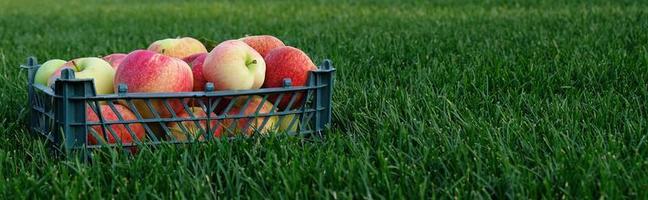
point(443, 99)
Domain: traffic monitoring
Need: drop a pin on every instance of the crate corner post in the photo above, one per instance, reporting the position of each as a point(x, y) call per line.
point(70, 110)
point(32, 67)
point(323, 102)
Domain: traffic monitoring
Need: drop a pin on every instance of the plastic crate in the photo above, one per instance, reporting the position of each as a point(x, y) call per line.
point(61, 114)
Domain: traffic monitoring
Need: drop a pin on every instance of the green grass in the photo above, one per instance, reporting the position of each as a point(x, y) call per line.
point(445, 99)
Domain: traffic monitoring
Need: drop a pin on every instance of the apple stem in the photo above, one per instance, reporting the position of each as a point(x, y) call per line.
point(254, 62)
point(75, 65)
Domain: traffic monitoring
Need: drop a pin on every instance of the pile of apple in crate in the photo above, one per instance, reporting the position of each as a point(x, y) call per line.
point(185, 65)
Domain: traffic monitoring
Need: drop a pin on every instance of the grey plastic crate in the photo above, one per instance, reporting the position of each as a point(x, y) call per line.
point(61, 114)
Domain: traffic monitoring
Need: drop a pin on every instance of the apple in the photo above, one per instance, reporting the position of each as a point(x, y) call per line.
point(89, 68)
point(287, 62)
point(46, 70)
point(263, 43)
point(115, 59)
point(191, 58)
point(178, 47)
point(247, 125)
point(285, 123)
point(233, 65)
point(193, 128)
point(223, 102)
point(119, 130)
point(146, 71)
point(196, 62)
point(197, 69)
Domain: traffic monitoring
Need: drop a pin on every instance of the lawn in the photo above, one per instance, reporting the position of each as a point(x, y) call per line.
point(433, 99)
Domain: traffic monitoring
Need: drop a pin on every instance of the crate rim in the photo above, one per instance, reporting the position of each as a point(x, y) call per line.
point(325, 67)
point(320, 82)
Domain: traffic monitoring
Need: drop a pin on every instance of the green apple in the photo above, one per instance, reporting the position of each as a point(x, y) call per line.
point(284, 125)
point(90, 68)
point(46, 70)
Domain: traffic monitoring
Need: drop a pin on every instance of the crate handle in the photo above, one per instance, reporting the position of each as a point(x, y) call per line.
point(122, 89)
point(209, 87)
point(67, 74)
point(327, 65)
point(287, 83)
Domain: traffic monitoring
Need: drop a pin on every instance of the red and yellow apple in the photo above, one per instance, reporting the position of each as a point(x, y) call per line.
point(115, 59)
point(233, 65)
point(89, 68)
point(120, 130)
point(287, 62)
point(181, 130)
point(178, 47)
point(145, 71)
point(263, 43)
point(249, 124)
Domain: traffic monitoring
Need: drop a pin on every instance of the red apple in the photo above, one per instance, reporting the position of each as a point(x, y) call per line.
point(178, 47)
point(145, 71)
point(115, 59)
point(191, 58)
point(287, 62)
point(193, 128)
point(196, 62)
point(222, 104)
point(248, 124)
point(120, 130)
point(197, 68)
point(263, 43)
point(233, 65)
